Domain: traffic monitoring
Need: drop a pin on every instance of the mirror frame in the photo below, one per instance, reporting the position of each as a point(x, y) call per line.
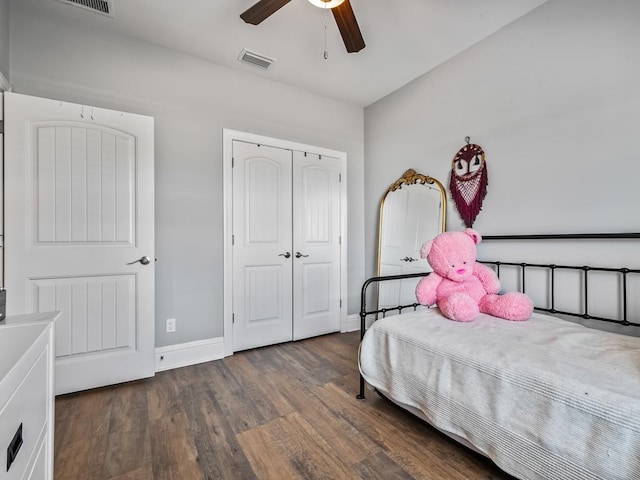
point(410, 177)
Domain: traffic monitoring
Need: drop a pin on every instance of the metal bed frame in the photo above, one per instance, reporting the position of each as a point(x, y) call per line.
point(624, 272)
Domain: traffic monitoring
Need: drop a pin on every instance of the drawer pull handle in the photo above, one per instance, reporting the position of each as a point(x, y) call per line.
point(14, 447)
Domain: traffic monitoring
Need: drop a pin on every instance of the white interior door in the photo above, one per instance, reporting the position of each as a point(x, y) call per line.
point(262, 257)
point(286, 244)
point(80, 209)
point(316, 244)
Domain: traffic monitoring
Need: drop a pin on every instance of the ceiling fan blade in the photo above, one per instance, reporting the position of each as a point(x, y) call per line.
point(262, 10)
point(348, 26)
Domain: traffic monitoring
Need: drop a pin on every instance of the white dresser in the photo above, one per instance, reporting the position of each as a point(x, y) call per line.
point(27, 360)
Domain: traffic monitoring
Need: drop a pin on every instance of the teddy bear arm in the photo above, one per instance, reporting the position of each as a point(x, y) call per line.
point(426, 290)
point(487, 277)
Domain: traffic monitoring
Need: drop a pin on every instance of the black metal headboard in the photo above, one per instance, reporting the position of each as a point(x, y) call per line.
point(552, 268)
point(584, 314)
point(566, 236)
point(624, 272)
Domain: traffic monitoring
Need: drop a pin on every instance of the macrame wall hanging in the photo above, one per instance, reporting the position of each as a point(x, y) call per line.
point(469, 181)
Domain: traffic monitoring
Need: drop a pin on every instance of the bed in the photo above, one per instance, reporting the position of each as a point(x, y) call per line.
point(544, 399)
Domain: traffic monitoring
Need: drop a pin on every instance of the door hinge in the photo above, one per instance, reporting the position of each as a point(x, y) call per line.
point(1, 126)
point(340, 240)
point(233, 240)
point(233, 318)
point(340, 303)
point(339, 178)
point(233, 162)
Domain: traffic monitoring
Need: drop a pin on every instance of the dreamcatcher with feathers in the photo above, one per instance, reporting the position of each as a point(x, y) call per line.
point(469, 180)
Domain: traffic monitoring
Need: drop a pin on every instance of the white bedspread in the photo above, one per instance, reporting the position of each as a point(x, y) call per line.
point(544, 399)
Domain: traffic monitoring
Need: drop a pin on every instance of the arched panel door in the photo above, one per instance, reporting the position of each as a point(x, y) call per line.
point(262, 257)
point(80, 234)
point(286, 245)
point(316, 241)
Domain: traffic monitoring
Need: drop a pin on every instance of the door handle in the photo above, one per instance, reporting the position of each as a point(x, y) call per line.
point(143, 260)
point(285, 255)
point(409, 259)
point(298, 255)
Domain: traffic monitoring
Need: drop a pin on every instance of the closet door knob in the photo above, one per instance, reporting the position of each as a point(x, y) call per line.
point(298, 255)
point(285, 255)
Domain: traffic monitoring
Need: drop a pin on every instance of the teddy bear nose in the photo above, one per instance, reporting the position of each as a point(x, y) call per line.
point(460, 271)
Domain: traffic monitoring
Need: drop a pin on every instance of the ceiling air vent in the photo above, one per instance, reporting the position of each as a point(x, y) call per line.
point(256, 59)
point(104, 7)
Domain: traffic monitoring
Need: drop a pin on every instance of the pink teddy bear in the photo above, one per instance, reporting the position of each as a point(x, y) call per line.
point(461, 287)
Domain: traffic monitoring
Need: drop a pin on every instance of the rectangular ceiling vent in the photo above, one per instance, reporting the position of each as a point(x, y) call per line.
point(256, 59)
point(103, 7)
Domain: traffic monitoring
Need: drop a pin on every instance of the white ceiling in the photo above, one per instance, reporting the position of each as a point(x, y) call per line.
point(404, 38)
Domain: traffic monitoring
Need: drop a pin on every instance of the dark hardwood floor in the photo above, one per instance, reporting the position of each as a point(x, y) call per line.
point(280, 412)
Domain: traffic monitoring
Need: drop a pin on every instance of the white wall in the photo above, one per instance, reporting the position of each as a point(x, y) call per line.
point(192, 101)
point(554, 100)
point(4, 38)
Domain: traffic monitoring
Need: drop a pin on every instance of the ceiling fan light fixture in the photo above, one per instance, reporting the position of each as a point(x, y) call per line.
point(326, 3)
point(340, 9)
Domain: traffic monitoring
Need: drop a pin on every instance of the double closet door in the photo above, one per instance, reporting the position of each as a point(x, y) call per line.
point(286, 245)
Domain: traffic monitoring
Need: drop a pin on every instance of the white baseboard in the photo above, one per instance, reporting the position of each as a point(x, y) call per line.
point(352, 324)
point(190, 353)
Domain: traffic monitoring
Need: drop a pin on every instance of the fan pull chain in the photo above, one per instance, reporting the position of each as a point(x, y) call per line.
point(326, 52)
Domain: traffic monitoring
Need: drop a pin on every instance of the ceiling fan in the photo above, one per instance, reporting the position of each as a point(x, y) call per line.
point(341, 9)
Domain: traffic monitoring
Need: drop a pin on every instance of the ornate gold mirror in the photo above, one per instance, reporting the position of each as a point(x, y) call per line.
point(413, 210)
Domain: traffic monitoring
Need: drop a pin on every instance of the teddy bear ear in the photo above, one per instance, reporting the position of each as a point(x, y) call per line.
point(426, 248)
point(475, 236)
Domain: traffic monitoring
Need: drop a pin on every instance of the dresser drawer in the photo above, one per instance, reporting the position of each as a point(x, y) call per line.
point(26, 407)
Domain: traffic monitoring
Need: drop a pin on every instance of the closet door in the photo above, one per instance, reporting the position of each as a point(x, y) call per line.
point(262, 241)
point(316, 245)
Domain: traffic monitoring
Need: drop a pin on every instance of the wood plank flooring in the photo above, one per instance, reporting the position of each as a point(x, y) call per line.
point(283, 412)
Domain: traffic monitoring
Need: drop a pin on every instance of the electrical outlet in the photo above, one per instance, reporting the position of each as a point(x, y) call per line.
point(171, 325)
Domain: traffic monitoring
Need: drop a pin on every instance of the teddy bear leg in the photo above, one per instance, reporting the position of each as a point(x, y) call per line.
point(510, 306)
point(459, 307)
